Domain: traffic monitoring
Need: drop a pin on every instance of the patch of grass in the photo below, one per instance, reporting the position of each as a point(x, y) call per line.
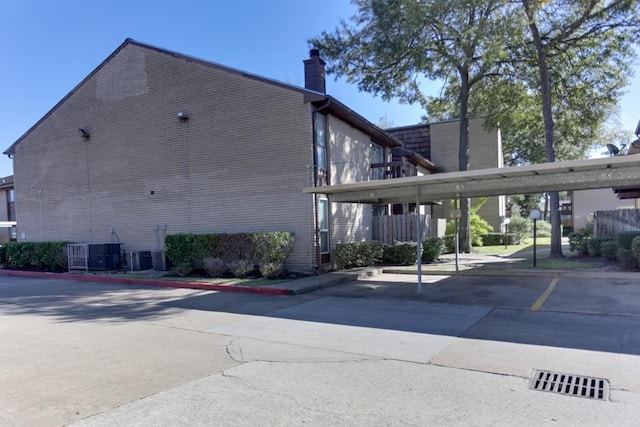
point(541, 242)
point(567, 263)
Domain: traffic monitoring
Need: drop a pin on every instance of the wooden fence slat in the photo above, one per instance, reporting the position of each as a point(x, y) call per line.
point(609, 223)
point(400, 228)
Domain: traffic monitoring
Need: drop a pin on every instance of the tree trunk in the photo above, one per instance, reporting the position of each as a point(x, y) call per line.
point(463, 161)
point(547, 113)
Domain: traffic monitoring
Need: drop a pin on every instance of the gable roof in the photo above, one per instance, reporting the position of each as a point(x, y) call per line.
point(319, 99)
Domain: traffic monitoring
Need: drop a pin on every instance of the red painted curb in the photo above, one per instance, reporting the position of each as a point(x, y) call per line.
point(148, 282)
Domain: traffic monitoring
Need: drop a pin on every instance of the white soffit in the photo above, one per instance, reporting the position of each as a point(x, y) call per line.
point(619, 171)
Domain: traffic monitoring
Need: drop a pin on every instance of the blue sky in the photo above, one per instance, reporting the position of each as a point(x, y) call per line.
point(49, 47)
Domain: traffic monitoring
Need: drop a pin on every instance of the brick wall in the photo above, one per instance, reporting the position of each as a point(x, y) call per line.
point(350, 161)
point(238, 164)
point(485, 151)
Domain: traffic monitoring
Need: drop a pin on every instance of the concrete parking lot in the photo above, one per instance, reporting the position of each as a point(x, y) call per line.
point(372, 352)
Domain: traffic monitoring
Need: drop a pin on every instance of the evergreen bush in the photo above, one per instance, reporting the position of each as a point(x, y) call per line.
point(609, 249)
point(579, 241)
point(625, 238)
point(626, 259)
point(358, 254)
point(215, 267)
point(241, 268)
point(520, 227)
point(432, 249)
point(594, 246)
point(400, 253)
point(43, 256)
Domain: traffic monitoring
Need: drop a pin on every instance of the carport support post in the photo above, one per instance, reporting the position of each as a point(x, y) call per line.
point(419, 239)
point(534, 242)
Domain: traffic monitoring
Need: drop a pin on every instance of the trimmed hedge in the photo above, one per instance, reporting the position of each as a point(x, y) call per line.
point(187, 252)
point(625, 239)
point(497, 239)
point(400, 253)
point(42, 256)
point(357, 254)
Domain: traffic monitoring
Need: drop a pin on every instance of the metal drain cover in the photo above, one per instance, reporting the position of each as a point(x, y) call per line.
point(572, 385)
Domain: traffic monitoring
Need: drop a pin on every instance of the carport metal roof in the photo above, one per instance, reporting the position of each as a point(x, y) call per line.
point(619, 171)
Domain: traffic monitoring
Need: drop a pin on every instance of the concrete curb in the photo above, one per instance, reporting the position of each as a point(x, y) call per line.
point(520, 273)
point(313, 283)
point(265, 290)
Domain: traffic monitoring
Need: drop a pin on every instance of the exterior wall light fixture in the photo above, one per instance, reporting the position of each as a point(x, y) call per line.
point(84, 133)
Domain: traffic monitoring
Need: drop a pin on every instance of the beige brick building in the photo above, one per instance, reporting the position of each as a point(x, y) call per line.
point(439, 142)
point(154, 142)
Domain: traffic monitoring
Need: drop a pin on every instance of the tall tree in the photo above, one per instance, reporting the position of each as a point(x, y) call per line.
point(561, 28)
point(388, 45)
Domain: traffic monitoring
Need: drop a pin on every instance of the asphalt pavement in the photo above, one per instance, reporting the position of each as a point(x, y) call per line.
point(375, 351)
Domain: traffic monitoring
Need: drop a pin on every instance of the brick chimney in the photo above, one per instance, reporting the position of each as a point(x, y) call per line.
point(314, 78)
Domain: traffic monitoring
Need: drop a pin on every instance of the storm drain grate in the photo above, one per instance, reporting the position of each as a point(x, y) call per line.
point(572, 385)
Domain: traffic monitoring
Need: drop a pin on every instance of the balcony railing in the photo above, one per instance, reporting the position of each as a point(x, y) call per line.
point(394, 169)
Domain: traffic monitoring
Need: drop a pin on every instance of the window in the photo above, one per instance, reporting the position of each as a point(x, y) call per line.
point(377, 156)
point(323, 225)
point(11, 205)
point(321, 141)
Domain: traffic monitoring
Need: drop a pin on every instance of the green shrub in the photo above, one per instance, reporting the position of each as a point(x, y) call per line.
point(492, 239)
point(497, 239)
point(44, 256)
point(594, 246)
point(215, 267)
point(271, 270)
point(609, 249)
point(635, 247)
point(273, 247)
point(520, 227)
point(400, 253)
point(237, 246)
point(543, 228)
point(358, 254)
point(626, 259)
point(478, 225)
point(625, 238)
point(3, 255)
point(449, 243)
point(241, 268)
point(432, 249)
point(187, 249)
point(579, 241)
point(183, 269)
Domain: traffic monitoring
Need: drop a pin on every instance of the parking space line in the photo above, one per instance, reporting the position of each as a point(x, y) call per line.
point(538, 304)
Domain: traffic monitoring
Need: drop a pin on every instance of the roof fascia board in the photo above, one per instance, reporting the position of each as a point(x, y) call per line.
point(345, 113)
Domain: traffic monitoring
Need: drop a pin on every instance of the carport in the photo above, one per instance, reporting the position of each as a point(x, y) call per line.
point(617, 171)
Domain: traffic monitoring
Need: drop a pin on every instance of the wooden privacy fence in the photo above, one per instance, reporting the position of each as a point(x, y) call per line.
point(609, 223)
point(400, 228)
